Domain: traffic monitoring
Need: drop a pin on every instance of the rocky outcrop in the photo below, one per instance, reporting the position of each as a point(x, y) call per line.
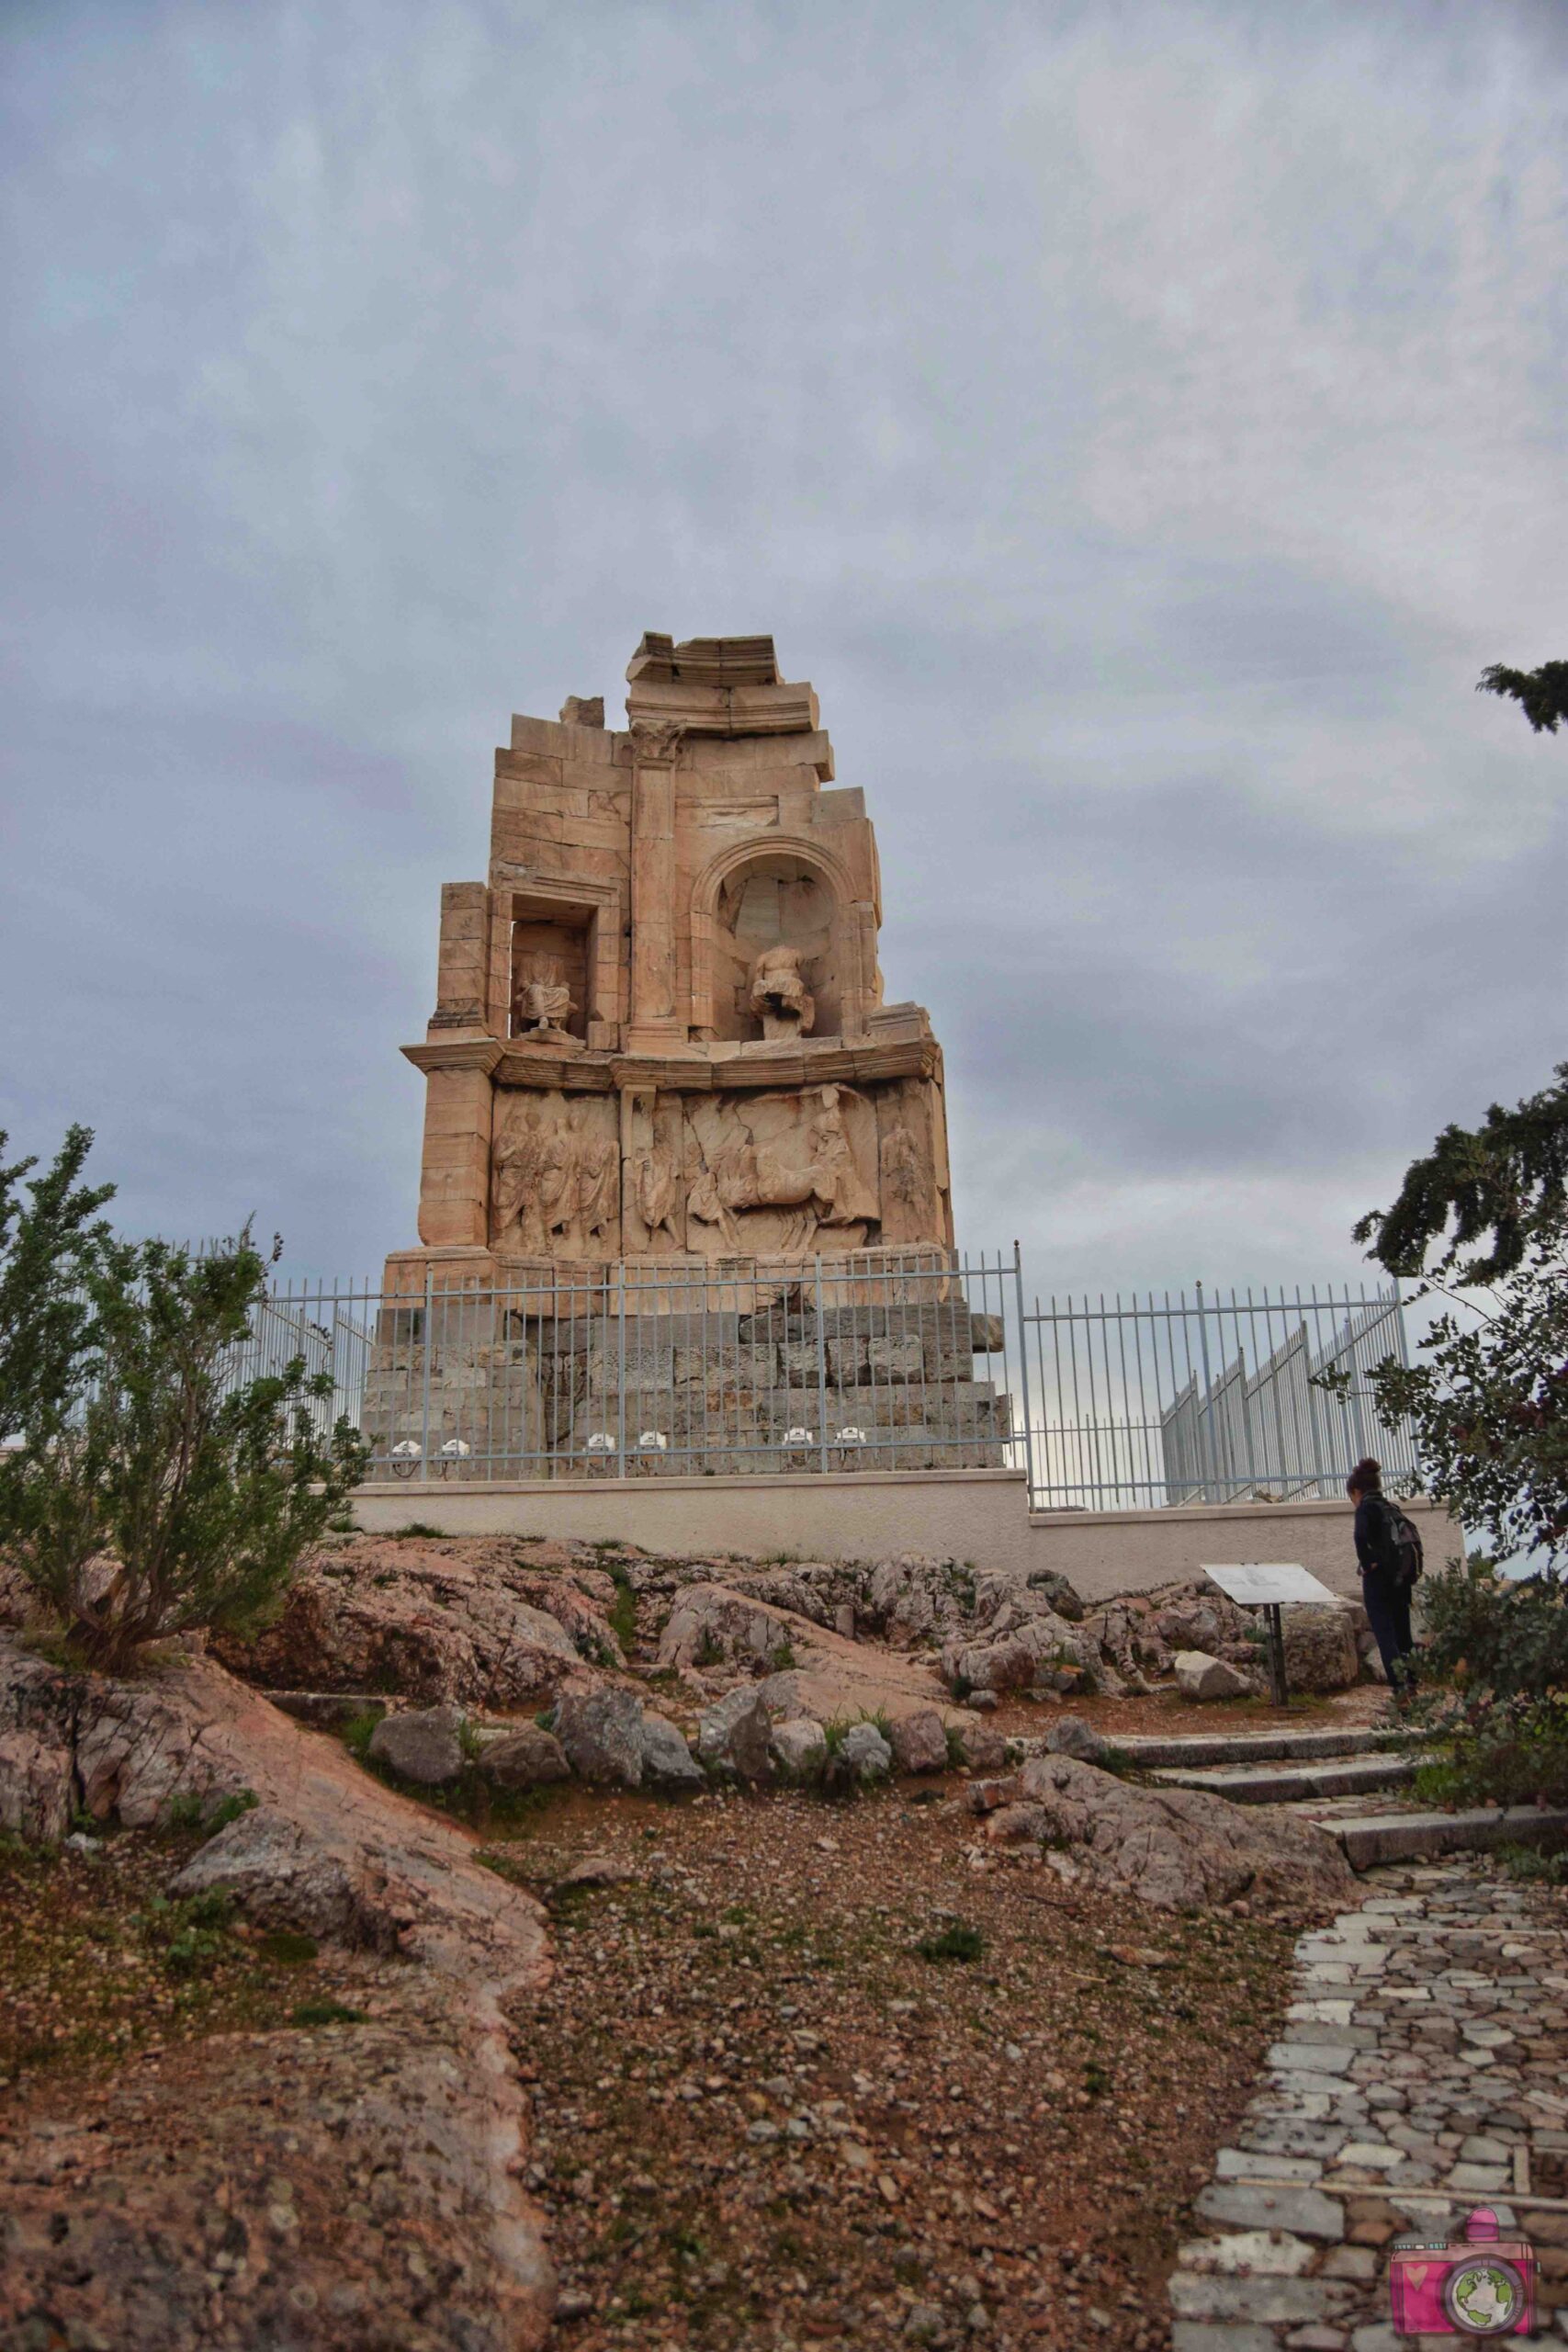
point(465, 1620)
point(711, 1624)
point(407, 2132)
point(1179, 1848)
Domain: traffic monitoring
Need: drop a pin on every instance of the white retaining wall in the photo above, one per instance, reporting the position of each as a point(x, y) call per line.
point(977, 1515)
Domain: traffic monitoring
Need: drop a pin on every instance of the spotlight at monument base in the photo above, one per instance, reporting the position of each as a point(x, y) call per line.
point(407, 1455)
point(653, 1442)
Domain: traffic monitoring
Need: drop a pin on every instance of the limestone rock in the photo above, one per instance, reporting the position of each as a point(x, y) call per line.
point(919, 1742)
point(1017, 1825)
point(1026, 1647)
point(735, 1734)
point(982, 1747)
point(667, 1761)
point(1198, 1676)
point(525, 1759)
point(710, 1624)
point(1181, 1848)
point(437, 2112)
point(912, 1599)
point(866, 1752)
point(434, 1620)
point(799, 1747)
point(1320, 1648)
point(1070, 1735)
point(421, 1744)
point(600, 1733)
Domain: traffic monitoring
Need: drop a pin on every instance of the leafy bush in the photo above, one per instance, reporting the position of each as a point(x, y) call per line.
point(144, 1491)
point(1494, 1713)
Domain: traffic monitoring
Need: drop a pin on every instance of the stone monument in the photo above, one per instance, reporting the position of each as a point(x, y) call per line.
point(659, 1029)
point(686, 1184)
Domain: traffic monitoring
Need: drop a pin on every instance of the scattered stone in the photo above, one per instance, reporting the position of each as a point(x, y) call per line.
point(524, 1759)
point(597, 1869)
point(1197, 1676)
point(421, 1744)
point(981, 1746)
point(1070, 1735)
point(866, 1752)
point(667, 1761)
point(735, 1736)
point(919, 1742)
point(600, 1733)
point(800, 1746)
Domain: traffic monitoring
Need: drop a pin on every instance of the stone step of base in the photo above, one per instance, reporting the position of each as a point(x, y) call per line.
point(1193, 1748)
point(1404, 1837)
point(1256, 1784)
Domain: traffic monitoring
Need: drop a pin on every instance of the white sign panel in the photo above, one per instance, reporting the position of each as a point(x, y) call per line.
point(1257, 1583)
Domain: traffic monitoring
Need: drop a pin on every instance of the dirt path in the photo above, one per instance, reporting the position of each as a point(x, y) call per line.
point(764, 2119)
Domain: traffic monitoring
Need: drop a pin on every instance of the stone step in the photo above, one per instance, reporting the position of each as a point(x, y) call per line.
point(1256, 1784)
point(1406, 1836)
point(1193, 1748)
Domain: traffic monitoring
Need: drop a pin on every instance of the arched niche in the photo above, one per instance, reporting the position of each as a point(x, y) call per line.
point(766, 894)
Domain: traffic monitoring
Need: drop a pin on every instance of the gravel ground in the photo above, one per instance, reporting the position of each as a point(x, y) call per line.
point(765, 2118)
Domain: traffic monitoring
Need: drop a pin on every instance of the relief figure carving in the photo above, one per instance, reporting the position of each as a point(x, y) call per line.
point(810, 1171)
point(598, 1183)
point(655, 1192)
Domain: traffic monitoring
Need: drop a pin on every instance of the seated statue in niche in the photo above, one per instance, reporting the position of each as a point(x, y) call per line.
point(779, 994)
point(543, 1002)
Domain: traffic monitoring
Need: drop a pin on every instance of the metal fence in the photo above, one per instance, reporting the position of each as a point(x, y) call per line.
point(882, 1360)
point(1154, 1401)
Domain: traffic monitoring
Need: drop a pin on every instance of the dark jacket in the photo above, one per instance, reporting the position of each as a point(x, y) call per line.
point(1377, 1545)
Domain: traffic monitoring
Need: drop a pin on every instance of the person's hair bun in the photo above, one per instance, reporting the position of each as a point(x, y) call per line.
point(1365, 1479)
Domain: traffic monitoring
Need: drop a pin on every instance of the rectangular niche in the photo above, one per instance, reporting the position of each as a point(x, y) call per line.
point(553, 941)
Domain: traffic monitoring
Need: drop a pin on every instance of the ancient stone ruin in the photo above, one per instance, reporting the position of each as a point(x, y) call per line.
point(683, 1165)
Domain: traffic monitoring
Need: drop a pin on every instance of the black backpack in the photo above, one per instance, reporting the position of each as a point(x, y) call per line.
point(1404, 1556)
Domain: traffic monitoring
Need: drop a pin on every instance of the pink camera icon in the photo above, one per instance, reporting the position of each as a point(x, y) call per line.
point(1482, 2284)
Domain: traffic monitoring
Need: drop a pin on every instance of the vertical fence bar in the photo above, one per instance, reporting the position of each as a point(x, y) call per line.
point(821, 1368)
point(424, 1400)
point(1022, 1371)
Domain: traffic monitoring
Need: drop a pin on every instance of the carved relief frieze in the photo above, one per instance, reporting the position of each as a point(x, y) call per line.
point(555, 1176)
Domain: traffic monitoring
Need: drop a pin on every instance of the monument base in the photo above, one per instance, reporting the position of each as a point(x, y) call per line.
point(502, 1368)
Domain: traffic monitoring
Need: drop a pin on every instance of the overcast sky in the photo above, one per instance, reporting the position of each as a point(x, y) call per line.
point(1140, 423)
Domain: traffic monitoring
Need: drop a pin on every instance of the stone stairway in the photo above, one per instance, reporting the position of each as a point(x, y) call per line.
point(1339, 1780)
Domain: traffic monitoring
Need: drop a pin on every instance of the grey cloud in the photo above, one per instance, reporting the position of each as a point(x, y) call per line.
point(1140, 422)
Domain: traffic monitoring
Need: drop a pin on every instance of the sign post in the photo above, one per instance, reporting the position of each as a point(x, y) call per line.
point(1269, 1585)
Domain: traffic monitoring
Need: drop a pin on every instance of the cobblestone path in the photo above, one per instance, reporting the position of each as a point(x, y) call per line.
point(1424, 2070)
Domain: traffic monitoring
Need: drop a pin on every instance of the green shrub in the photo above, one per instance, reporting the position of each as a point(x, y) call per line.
point(1492, 1716)
point(327, 2013)
point(136, 1443)
point(956, 1942)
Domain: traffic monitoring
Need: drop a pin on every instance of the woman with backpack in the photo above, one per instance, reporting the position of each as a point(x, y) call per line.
point(1388, 1550)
